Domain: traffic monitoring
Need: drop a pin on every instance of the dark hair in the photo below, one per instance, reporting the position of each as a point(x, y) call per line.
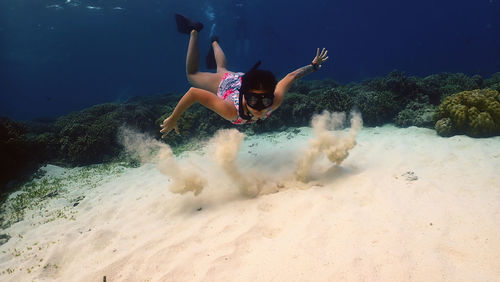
point(258, 80)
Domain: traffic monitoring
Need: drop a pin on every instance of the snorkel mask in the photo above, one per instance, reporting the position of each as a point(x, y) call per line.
point(259, 101)
point(256, 79)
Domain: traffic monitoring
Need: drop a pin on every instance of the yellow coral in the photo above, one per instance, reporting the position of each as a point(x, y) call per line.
point(482, 125)
point(458, 114)
point(475, 113)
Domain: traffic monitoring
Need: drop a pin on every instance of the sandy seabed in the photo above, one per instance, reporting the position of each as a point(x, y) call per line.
point(405, 205)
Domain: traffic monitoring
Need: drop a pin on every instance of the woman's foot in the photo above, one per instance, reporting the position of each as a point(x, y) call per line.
point(185, 25)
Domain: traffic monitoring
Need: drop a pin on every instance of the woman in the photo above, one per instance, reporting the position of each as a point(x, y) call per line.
point(239, 98)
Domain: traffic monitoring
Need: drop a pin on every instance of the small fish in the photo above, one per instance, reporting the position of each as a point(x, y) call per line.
point(93, 8)
point(117, 8)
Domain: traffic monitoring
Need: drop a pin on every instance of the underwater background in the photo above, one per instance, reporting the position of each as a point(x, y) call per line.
point(74, 73)
point(66, 55)
point(381, 164)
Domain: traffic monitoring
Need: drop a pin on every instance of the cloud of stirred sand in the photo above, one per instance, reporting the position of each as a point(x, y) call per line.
point(184, 176)
point(329, 139)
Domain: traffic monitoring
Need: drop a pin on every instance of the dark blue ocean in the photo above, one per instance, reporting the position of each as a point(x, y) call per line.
point(63, 55)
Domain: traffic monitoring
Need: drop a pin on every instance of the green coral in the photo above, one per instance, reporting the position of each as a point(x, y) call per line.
point(439, 86)
point(475, 113)
point(493, 82)
point(416, 113)
point(333, 100)
point(377, 107)
point(397, 82)
point(306, 86)
point(90, 136)
point(299, 110)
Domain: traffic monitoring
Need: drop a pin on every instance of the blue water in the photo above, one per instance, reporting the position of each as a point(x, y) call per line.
point(60, 56)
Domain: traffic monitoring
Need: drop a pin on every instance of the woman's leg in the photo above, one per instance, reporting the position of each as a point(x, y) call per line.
point(204, 80)
point(193, 54)
point(220, 58)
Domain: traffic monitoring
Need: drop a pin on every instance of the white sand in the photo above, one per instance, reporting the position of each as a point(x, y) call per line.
point(406, 205)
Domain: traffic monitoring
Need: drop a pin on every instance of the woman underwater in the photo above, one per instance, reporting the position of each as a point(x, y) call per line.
point(240, 98)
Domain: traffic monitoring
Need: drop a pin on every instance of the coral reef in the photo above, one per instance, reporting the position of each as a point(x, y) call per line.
point(404, 88)
point(416, 113)
point(444, 127)
point(493, 82)
point(439, 86)
point(12, 149)
point(475, 113)
point(298, 111)
point(306, 86)
point(19, 155)
point(408, 93)
point(395, 92)
point(90, 136)
point(333, 100)
point(376, 107)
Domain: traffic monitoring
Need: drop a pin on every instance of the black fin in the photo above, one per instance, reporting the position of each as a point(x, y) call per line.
point(210, 59)
point(214, 38)
point(185, 25)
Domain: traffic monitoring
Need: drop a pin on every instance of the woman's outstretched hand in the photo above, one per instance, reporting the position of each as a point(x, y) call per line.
point(320, 57)
point(168, 125)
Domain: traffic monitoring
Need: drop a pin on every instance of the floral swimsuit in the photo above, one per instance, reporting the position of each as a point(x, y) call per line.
point(229, 89)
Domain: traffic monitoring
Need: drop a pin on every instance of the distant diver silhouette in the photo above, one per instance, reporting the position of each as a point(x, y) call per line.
point(210, 58)
point(241, 30)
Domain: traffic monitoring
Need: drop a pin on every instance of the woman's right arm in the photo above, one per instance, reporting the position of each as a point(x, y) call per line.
point(207, 99)
point(284, 85)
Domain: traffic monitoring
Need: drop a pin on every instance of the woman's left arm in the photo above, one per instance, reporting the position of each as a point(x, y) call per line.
point(284, 85)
